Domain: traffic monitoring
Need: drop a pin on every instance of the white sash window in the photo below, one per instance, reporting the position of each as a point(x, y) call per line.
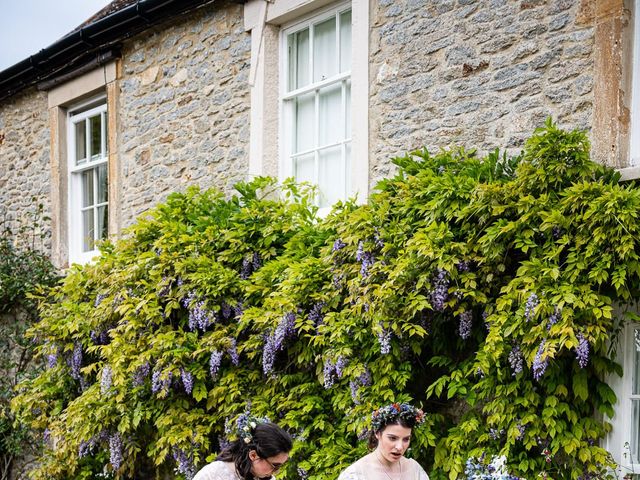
point(316, 102)
point(88, 180)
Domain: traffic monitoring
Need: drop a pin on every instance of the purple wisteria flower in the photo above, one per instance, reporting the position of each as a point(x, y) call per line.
point(384, 339)
point(160, 384)
point(554, 318)
point(46, 435)
point(521, 431)
point(238, 310)
point(166, 287)
point(377, 239)
point(141, 373)
point(463, 266)
point(341, 364)
point(199, 316)
point(440, 293)
point(539, 365)
point(268, 354)
point(187, 380)
point(115, 450)
point(188, 300)
point(338, 245)
point(184, 463)
point(582, 351)
point(105, 380)
point(466, 322)
point(99, 298)
point(316, 315)
point(530, 306)
point(250, 265)
point(516, 360)
point(214, 363)
point(52, 358)
point(233, 353)
point(364, 380)
point(76, 360)
point(329, 373)
point(302, 474)
point(365, 258)
point(495, 434)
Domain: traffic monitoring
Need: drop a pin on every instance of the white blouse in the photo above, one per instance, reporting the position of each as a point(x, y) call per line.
point(219, 471)
point(370, 468)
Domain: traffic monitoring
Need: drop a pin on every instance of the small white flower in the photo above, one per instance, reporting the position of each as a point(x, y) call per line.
point(245, 428)
point(253, 424)
point(247, 439)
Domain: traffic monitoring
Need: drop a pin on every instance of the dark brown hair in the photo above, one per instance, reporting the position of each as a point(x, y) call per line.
point(268, 440)
point(372, 442)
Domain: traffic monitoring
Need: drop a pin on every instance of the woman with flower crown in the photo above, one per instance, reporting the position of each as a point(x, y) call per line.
point(259, 452)
point(391, 428)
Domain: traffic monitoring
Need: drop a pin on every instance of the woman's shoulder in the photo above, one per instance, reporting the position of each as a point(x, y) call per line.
point(417, 468)
point(216, 471)
point(352, 472)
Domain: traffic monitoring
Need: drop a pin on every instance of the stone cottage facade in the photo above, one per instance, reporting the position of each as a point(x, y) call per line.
point(150, 96)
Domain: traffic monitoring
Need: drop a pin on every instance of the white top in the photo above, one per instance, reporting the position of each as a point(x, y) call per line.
point(370, 468)
point(219, 471)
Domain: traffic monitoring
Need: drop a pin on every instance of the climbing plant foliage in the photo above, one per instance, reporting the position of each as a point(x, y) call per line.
point(485, 290)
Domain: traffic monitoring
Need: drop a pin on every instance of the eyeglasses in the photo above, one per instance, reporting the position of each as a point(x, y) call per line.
point(275, 467)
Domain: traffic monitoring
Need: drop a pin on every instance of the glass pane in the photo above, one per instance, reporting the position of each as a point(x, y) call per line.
point(103, 222)
point(87, 188)
point(635, 380)
point(345, 41)
point(304, 168)
point(87, 230)
point(95, 130)
point(298, 59)
point(304, 122)
point(106, 133)
point(634, 447)
point(347, 113)
point(81, 142)
point(102, 184)
point(331, 117)
point(324, 50)
point(331, 173)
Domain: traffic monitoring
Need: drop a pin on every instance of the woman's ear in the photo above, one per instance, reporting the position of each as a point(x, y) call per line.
point(253, 455)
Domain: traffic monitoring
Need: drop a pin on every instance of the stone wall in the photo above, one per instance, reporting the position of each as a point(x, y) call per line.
point(25, 173)
point(184, 108)
point(475, 73)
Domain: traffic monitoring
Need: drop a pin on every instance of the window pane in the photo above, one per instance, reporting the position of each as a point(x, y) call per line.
point(95, 130)
point(345, 41)
point(298, 59)
point(87, 230)
point(103, 222)
point(81, 142)
point(106, 133)
point(304, 168)
point(304, 122)
point(331, 115)
point(634, 444)
point(635, 381)
point(87, 188)
point(331, 172)
point(324, 50)
point(102, 184)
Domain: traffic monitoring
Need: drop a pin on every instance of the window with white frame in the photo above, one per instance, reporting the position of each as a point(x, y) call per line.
point(88, 179)
point(316, 102)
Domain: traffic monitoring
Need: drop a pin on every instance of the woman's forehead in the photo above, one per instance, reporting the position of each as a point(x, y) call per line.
point(397, 430)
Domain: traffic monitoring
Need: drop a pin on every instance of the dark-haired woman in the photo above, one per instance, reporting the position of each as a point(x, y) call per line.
point(260, 451)
point(391, 427)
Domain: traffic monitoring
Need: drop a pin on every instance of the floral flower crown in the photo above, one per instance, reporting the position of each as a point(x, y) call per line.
point(393, 412)
point(246, 425)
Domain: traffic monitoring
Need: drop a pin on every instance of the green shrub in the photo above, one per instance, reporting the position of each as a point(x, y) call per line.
point(479, 288)
point(23, 268)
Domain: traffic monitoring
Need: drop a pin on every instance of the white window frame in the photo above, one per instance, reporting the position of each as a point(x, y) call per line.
point(634, 142)
point(75, 115)
point(287, 105)
point(618, 441)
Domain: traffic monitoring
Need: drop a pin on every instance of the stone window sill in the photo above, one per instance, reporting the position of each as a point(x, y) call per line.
point(629, 173)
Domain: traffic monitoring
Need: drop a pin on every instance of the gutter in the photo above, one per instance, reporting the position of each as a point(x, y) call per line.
point(93, 45)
